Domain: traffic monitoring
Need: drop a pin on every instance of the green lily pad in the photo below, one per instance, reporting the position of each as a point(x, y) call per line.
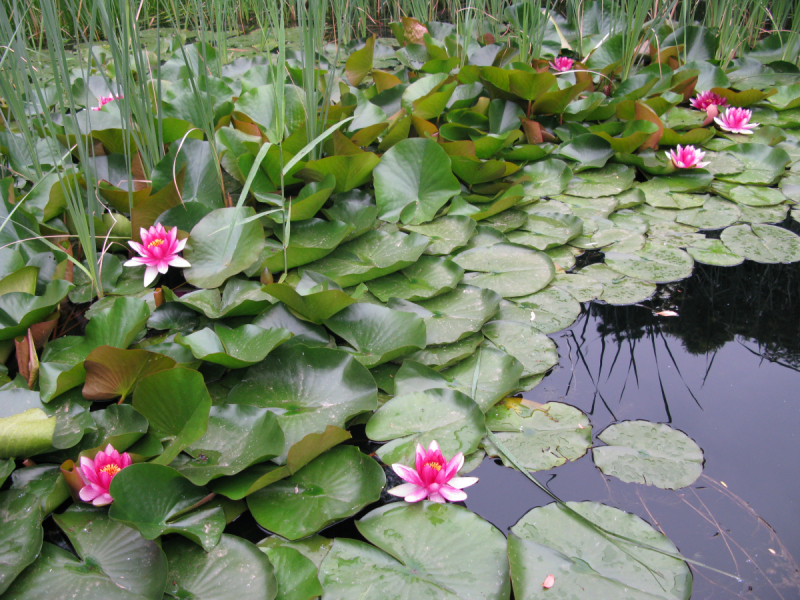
point(763, 243)
point(608, 181)
point(714, 214)
point(528, 345)
point(315, 297)
point(332, 487)
point(451, 418)
point(497, 376)
point(357, 208)
point(309, 389)
point(750, 195)
point(222, 245)
point(551, 309)
point(351, 171)
point(305, 332)
point(233, 348)
point(378, 334)
point(113, 372)
point(429, 276)
point(508, 269)
point(444, 356)
point(649, 453)
point(446, 233)
point(654, 263)
point(237, 436)
point(763, 214)
point(546, 230)
point(763, 165)
point(590, 151)
point(22, 534)
point(587, 564)
point(296, 575)
point(618, 289)
point(234, 569)
point(167, 507)
point(182, 419)
point(239, 298)
point(308, 241)
point(545, 178)
point(413, 181)
point(424, 550)
point(580, 286)
point(714, 252)
point(19, 310)
point(140, 569)
point(454, 315)
point(372, 255)
point(540, 436)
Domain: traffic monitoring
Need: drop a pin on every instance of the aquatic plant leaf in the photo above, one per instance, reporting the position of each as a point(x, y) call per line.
point(378, 334)
point(508, 269)
point(19, 310)
point(182, 419)
point(545, 178)
point(308, 241)
point(310, 199)
point(309, 389)
point(763, 165)
point(550, 310)
point(428, 277)
point(528, 345)
point(351, 171)
point(305, 332)
point(372, 255)
point(332, 487)
point(454, 315)
point(445, 233)
point(169, 506)
point(413, 181)
point(750, 195)
point(715, 213)
point(618, 289)
point(240, 297)
point(141, 568)
point(233, 348)
point(586, 565)
point(424, 550)
point(21, 534)
point(113, 372)
point(237, 436)
point(295, 574)
point(546, 230)
point(713, 252)
point(444, 356)
point(610, 180)
point(649, 453)
point(762, 243)
point(234, 569)
point(300, 454)
point(25, 428)
point(653, 263)
point(540, 436)
point(588, 151)
point(498, 376)
point(451, 418)
point(222, 245)
point(359, 63)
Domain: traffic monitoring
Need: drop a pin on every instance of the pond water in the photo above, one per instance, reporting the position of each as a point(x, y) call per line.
point(726, 371)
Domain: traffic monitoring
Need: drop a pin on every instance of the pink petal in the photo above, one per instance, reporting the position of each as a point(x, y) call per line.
point(417, 496)
point(549, 582)
point(454, 466)
point(179, 262)
point(406, 489)
point(461, 482)
point(150, 275)
point(103, 500)
point(89, 493)
point(435, 497)
point(407, 474)
point(136, 261)
point(181, 245)
point(452, 494)
point(419, 458)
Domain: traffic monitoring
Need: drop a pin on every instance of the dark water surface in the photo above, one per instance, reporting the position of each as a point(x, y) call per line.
point(726, 371)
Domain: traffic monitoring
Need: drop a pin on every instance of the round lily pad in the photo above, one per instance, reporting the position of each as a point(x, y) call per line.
point(763, 243)
point(528, 345)
point(619, 289)
point(551, 310)
point(508, 269)
point(332, 487)
point(715, 213)
point(424, 550)
point(586, 564)
point(654, 263)
point(650, 453)
point(714, 252)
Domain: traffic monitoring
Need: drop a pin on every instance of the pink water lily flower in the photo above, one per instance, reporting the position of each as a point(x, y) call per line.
point(562, 63)
point(159, 251)
point(98, 473)
point(705, 99)
point(687, 157)
point(434, 478)
point(105, 100)
point(736, 120)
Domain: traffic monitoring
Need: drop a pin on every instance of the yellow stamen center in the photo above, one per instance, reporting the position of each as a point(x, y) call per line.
point(434, 465)
point(111, 470)
point(155, 243)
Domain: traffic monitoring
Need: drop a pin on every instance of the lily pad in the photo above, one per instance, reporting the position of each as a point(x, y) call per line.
point(654, 263)
point(233, 348)
point(454, 315)
point(528, 345)
point(378, 334)
point(508, 269)
point(20, 310)
point(424, 550)
point(649, 453)
point(167, 505)
point(447, 416)
point(444, 356)
point(551, 310)
point(308, 241)
point(22, 534)
point(332, 487)
point(237, 436)
point(714, 214)
point(309, 389)
point(497, 376)
point(234, 569)
point(113, 372)
point(546, 230)
point(446, 233)
point(618, 289)
point(714, 252)
point(589, 565)
point(428, 277)
point(540, 436)
point(315, 297)
point(413, 181)
point(763, 243)
point(296, 574)
point(763, 165)
point(239, 298)
point(221, 245)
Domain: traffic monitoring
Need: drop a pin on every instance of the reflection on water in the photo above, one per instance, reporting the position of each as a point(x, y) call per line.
point(727, 372)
